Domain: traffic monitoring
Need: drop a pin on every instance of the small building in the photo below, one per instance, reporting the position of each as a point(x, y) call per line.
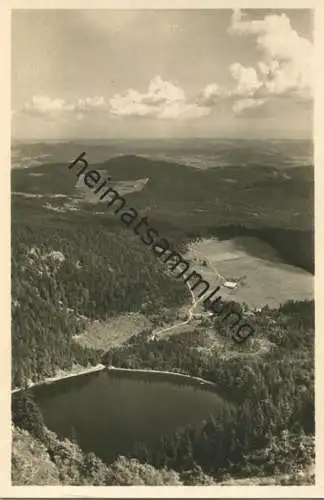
point(230, 284)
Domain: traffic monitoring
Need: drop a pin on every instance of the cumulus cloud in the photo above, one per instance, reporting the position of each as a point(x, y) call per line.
point(284, 69)
point(286, 64)
point(183, 111)
point(162, 100)
point(90, 104)
point(211, 94)
point(46, 107)
point(247, 80)
point(247, 103)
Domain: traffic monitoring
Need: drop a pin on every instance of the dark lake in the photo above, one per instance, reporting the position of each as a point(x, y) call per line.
point(108, 412)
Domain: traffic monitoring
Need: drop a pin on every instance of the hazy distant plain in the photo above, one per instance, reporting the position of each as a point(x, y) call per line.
point(200, 153)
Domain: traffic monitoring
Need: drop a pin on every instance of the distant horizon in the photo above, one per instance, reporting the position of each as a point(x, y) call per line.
point(139, 139)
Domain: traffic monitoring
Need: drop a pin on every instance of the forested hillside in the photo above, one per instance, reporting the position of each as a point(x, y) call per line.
point(64, 276)
point(53, 462)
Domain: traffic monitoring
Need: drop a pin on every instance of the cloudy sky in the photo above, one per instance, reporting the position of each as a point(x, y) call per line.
point(161, 73)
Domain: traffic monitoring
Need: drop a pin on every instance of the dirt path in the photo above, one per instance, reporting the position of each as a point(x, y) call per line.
point(194, 302)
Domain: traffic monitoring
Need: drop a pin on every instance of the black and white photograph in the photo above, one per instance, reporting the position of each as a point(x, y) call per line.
point(162, 247)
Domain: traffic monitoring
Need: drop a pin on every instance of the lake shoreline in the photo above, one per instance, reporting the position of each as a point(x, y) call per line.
point(161, 372)
point(57, 378)
point(114, 369)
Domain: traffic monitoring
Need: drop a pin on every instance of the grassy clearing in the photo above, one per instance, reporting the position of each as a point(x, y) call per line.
point(114, 332)
point(263, 278)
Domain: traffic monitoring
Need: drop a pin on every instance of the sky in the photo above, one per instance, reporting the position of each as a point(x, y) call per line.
point(162, 73)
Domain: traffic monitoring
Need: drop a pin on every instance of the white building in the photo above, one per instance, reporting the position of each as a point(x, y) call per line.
point(230, 284)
